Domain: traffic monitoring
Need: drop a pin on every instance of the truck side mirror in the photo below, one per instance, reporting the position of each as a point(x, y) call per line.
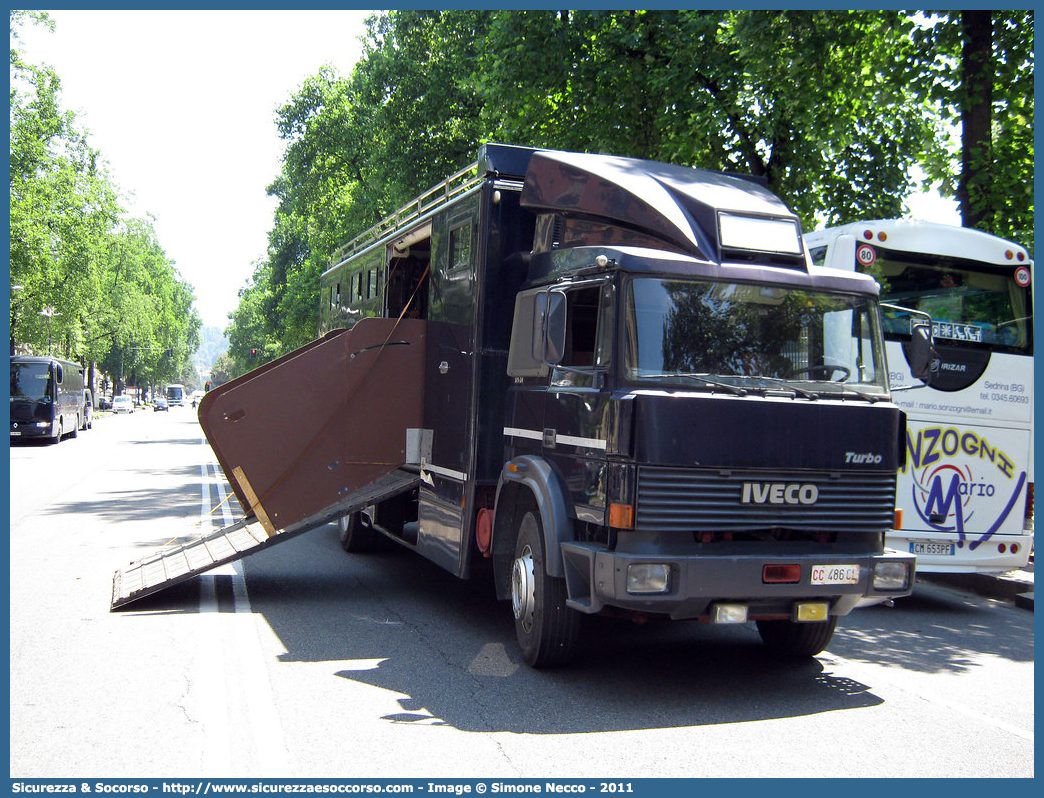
point(555, 328)
point(922, 351)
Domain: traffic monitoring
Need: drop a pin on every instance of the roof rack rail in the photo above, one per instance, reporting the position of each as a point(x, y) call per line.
point(437, 195)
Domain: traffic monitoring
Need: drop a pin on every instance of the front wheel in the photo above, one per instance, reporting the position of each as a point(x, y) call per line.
point(357, 533)
point(547, 629)
point(797, 639)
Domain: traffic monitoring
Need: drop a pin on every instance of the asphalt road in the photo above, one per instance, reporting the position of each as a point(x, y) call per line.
point(304, 661)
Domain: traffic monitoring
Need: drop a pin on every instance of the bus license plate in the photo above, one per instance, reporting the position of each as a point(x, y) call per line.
point(932, 547)
point(835, 574)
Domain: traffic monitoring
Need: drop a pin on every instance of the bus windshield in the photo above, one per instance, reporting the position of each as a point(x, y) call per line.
point(968, 304)
point(30, 382)
point(752, 337)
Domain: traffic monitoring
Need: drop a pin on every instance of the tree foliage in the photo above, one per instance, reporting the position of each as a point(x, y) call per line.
point(88, 282)
point(833, 108)
point(981, 64)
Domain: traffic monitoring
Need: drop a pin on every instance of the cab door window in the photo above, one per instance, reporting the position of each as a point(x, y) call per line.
point(587, 336)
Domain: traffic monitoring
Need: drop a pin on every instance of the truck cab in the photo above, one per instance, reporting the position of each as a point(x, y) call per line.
point(698, 424)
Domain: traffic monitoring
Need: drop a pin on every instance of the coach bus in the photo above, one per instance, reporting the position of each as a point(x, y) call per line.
point(966, 489)
point(48, 398)
point(175, 395)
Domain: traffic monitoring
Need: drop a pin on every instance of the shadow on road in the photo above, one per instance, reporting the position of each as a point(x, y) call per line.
point(453, 658)
point(936, 630)
point(397, 622)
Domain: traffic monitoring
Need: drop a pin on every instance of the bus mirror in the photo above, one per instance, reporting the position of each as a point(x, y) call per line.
point(922, 350)
point(555, 328)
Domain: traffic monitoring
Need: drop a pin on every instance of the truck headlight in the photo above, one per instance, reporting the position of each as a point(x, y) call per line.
point(728, 613)
point(645, 577)
point(891, 576)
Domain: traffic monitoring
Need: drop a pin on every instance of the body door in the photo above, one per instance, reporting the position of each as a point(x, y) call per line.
point(447, 459)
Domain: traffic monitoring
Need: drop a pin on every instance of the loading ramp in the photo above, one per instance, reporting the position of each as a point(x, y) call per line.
point(306, 439)
point(179, 563)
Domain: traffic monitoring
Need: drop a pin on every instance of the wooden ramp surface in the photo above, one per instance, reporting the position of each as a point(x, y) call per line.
point(179, 563)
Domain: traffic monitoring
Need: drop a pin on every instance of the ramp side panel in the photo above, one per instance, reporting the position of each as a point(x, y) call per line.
point(307, 430)
point(210, 396)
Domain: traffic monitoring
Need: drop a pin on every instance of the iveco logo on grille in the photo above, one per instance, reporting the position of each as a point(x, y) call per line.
point(779, 493)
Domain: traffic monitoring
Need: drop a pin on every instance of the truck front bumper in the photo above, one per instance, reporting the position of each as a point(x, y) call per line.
point(598, 578)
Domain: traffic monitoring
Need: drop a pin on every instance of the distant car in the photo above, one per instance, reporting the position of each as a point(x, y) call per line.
point(160, 404)
point(122, 404)
point(196, 396)
point(104, 403)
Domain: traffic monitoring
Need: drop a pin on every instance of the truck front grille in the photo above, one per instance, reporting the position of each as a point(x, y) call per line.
point(694, 500)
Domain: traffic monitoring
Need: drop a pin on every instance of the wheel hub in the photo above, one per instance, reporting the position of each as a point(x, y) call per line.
point(523, 588)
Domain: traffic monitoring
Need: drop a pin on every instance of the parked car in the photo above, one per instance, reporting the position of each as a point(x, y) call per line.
point(160, 403)
point(122, 404)
point(104, 403)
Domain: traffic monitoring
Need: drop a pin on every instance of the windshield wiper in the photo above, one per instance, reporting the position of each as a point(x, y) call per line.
point(790, 387)
point(867, 396)
point(703, 378)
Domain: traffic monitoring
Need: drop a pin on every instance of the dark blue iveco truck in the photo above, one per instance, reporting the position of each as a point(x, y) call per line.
point(619, 385)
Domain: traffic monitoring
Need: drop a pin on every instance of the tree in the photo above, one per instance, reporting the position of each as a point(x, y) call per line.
point(358, 148)
point(832, 108)
point(110, 293)
point(719, 90)
point(222, 371)
point(982, 75)
point(61, 204)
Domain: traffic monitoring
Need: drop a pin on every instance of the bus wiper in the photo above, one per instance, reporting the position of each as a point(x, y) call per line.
point(703, 378)
point(790, 387)
point(867, 396)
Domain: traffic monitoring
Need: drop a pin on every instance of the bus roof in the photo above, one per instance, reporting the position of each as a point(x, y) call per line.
point(915, 235)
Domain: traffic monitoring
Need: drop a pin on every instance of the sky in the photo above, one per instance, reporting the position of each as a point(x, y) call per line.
point(182, 106)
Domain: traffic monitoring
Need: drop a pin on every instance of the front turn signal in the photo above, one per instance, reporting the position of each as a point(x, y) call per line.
point(621, 516)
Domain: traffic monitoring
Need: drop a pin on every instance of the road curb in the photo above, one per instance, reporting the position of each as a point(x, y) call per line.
point(1002, 586)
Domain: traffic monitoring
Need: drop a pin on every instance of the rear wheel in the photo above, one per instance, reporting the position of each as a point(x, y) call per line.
point(547, 630)
point(357, 533)
point(797, 639)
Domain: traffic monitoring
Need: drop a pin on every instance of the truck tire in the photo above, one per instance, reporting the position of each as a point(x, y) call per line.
point(797, 639)
point(356, 533)
point(547, 630)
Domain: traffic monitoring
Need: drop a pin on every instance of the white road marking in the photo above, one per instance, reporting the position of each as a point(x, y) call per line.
point(238, 685)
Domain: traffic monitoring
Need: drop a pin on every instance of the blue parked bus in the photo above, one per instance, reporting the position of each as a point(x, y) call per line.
point(47, 398)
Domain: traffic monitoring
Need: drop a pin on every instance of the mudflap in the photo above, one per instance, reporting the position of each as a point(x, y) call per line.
point(303, 440)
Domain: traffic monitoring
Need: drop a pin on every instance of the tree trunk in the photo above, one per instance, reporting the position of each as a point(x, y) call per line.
point(975, 188)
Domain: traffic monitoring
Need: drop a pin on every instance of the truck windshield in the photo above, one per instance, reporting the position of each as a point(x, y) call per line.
point(692, 333)
point(30, 382)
